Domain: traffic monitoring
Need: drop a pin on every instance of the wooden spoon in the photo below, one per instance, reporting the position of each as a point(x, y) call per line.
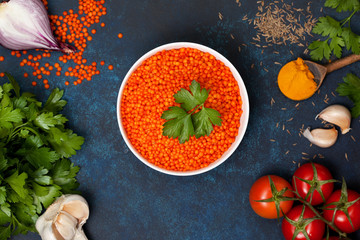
point(320, 71)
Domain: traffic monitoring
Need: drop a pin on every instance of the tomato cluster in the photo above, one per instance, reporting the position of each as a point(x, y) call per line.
point(319, 205)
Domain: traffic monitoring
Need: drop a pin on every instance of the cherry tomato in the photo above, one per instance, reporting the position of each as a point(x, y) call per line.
point(261, 190)
point(314, 229)
point(340, 220)
point(306, 172)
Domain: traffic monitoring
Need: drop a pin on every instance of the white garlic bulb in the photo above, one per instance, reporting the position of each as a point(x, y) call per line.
point(63, 220)
point(338, 115)
point(321, 137)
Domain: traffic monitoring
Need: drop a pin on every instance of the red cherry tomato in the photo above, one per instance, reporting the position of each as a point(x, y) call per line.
point(261, 190)
point(340, 220)
point(315, 229)
point(306, 172)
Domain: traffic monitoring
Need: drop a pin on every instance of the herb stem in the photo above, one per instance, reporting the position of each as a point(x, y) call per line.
point(331, 224)
point(348, 18)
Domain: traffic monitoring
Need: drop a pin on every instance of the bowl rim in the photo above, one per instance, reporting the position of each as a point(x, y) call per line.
point(244, 119)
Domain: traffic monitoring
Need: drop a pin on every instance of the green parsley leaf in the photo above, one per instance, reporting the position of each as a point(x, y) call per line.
point(15, 85)
point(336, 45)
point(204, 120)
point(352, 41)
point(327, 26)
point(65, 143)
point(64, 173)
point(33, 143)
point(17, 183)
point(320, 50)
point(343, 5)
point(179, 124)
point(55, 103)
point(9, 116)
point(189, 101)
point(48, 120)
point(351, 88)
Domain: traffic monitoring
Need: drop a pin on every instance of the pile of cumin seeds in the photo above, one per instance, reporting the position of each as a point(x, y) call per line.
point(279, 23)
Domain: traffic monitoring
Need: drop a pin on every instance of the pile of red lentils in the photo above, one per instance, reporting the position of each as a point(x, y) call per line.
point(76, 29)
point(149, 92)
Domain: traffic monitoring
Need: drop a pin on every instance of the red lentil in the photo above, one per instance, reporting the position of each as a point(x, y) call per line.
point(74, 28)
point(2, 58)
point(120, 35)
point(149, 91)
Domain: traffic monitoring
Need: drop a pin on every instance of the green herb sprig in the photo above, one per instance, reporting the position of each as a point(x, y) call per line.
point(338, 34)
point(34, 149)
point(192, 118)
point(351, 89)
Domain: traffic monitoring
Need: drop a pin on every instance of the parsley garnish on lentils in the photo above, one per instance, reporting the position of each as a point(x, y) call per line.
point(183, 124)
point(34, 149)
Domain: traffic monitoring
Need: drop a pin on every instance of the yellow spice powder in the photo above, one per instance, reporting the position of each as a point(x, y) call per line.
point(296, 81)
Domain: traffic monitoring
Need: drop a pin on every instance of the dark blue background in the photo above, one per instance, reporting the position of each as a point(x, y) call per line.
point(128, 200)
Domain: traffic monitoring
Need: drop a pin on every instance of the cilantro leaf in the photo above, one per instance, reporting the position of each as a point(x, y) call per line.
point(351, 88)
point(204, 120)
point(54, 102)
point(17, 183)
point(320, 50)
point(65, 142)
point(179, 124)
point(189, 101)
point(327, 26)
point(343, 5)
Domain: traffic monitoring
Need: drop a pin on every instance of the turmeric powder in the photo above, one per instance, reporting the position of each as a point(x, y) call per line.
point(296, 81)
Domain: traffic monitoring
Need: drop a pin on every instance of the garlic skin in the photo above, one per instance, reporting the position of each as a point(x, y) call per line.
point(63, 220)
point(338, 115)
point(323, 138)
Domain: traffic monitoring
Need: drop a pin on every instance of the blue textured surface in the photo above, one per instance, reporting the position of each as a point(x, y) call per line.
point(127, 199)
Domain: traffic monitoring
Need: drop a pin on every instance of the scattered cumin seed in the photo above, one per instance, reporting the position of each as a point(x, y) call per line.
point(313, 104)
point(276, 52)
point(304, 153)
point(277, 63)
point(284, 109)
point(272, 140)
point(352, 137)
point(293, 162)
point(291, 52)
point(266, 70)
point(287, 152)
point(287, 130)
point(232, 36)
point(305, 158)
point(294, 144)
point(299, 165)
point(297, 105)
point(289, 120)
point(277, 124)
point(252, 66)
point(346, 157)
point(220, 16)
point(283, 127)
point(332, 93)
point(239, 48)
point(272, 101)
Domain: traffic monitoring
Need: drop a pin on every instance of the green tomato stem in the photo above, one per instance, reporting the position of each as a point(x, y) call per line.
point(331, 224)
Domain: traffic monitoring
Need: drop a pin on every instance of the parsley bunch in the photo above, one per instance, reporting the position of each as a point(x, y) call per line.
point(351, 88)
point(338, 34)
point(34, 150)
point(184, 123)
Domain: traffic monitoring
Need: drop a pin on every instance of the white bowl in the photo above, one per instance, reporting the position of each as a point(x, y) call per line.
point(243, 120)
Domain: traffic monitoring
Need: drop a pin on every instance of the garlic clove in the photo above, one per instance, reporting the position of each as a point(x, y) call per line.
point(63, 219)
point(338, 115)
point(65, 225)
point(323, 138)
point(77, 207)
